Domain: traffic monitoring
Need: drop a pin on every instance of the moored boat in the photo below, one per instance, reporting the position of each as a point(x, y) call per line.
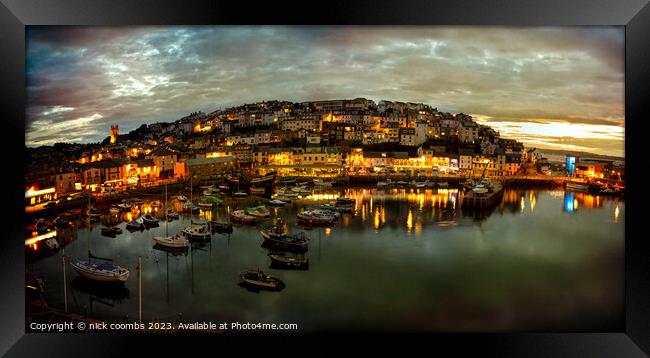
point(137, 224)
point(317, 217)
point(290, 262)
point(174, 241)
point(298, 243)
point(258, 211)
point(172, 214)
point(189, 207)
point(103, 272)
point(148, 219)
point(276, 202)
point(242, 217)
point(258, 280)
point(197, 232)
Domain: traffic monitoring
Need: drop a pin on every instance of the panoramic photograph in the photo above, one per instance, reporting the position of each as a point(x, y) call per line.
point(324, 178)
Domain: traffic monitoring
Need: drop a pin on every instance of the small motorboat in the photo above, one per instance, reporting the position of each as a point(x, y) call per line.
point(224, 187)
point(242, 217)
point(277, 202)
point(282, 241)
point(221, 228)
point(259, 211)
point(317, 217)
point(175, 241)
point(103, 272)
point(137, 224)
point(148, 219)
point(240, 194)
point(382, 185)
point(171, 214)
point(258, 280)
point(136, 201)
point(197, 232)
point(181, 198)
point(289, 262)
point(443, 184)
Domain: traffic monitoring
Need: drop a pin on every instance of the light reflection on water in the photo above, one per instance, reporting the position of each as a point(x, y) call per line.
point(404, 259)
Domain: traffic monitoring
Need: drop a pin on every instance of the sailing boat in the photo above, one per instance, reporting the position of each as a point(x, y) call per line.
point(175, 241)
point(103, 272)
point(196, 231)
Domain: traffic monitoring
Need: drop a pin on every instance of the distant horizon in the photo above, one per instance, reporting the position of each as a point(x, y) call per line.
point(549, 87)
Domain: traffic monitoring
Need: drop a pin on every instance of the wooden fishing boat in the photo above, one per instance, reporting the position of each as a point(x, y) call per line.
point(258, 280)
point(289, 262)
point(242, 217)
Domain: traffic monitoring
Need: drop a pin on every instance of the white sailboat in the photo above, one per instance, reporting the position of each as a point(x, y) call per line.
point(196, 231)
point(175, 241)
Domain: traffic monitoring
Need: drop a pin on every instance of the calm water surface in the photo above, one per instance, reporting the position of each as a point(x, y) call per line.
point(406, 259)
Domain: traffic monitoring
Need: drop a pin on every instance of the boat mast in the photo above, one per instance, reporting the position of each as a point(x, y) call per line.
point(166, 214)
point(88, 215)
point(140, 288)
point(65, 281)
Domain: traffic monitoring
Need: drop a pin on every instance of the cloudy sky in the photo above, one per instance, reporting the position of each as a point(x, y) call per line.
point(560, 88)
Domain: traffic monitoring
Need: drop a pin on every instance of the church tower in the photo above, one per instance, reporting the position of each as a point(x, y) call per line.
point(114, 133)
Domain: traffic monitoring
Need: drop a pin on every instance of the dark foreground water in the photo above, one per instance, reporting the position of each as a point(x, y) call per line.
point(405, 260)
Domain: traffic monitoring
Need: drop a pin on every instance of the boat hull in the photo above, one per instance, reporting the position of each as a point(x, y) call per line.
point(91, 275)
point(171, 243)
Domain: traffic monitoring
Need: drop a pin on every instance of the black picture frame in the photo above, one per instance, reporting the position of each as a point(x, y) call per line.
point(631, 341)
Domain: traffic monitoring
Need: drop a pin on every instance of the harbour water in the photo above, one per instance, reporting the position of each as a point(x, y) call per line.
point(406, 259)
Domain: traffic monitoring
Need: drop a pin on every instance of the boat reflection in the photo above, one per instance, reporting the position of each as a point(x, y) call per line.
point(575, 200)
point(105, 290)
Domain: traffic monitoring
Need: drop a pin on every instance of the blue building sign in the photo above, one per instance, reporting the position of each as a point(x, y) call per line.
point(570, 165)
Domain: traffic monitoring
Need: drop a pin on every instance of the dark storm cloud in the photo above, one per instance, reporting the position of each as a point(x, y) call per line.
point(130, 75)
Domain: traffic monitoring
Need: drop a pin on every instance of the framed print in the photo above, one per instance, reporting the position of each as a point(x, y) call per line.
point(441, 173)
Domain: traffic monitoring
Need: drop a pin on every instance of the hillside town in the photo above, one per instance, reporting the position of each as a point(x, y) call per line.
point(327, 139)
